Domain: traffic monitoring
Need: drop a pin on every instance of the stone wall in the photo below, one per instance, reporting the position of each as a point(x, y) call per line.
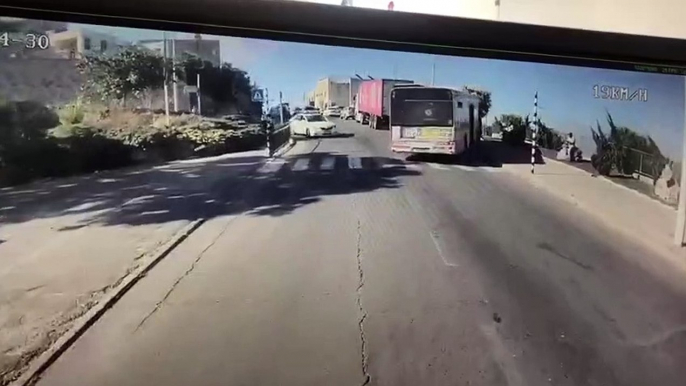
point(48, 80)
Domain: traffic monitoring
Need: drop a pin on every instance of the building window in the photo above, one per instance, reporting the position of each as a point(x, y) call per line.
point(459, 105)
point(103, 45)
point(87, 43)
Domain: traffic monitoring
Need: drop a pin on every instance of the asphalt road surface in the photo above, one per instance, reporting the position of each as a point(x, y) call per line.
point(348, 266)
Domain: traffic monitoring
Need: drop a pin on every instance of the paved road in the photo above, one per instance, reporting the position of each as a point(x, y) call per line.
point(347, 266)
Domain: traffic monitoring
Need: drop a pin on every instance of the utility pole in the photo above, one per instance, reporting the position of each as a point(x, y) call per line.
point(681, 209)
point(166, 80)
point(281, 107)
point(198, 93)
point(433, 72)
point(175, 78)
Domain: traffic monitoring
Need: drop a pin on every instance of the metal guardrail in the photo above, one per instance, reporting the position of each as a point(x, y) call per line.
point(277, 137)
point(644, 164)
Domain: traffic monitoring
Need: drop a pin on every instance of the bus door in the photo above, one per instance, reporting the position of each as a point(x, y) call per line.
point(471, 125)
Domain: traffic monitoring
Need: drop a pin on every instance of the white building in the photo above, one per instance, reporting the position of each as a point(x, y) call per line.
point(207, 50)
point(79, 42)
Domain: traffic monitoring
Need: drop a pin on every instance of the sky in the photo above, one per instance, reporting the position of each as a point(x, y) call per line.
point(566, 100)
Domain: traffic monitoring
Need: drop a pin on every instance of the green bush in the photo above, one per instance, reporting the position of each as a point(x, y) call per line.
point(78, 130)
point(515, 137)
point(37, 159)
point(94, 152)
point(514, 128)
point(619, 149)
point(28, 153)
point(24, 121)
point(72, 114)
point(33, 119)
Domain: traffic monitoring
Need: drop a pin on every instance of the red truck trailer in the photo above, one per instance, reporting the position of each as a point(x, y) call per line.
point(374, 101)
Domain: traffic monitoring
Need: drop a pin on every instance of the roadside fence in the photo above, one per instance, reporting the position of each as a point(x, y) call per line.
point(277, 137)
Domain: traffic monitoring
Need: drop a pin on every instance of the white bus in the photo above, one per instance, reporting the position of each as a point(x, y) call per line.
point(433, 120)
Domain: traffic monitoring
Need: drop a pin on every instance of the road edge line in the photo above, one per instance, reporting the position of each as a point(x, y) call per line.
point(48, 357)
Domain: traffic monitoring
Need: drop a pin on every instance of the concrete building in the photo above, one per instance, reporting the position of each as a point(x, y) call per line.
point(207, 50)
point(331, 92)
point(184, 97)
point(76, 43)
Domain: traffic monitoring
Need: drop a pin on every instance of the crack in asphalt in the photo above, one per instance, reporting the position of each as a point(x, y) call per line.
point(361, 310)
point(159, 304)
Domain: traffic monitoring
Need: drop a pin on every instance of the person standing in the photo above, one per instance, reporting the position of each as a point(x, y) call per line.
point(570, 141)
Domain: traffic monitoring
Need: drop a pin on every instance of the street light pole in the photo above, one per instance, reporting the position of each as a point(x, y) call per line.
point(166, 82)
point(175, 91)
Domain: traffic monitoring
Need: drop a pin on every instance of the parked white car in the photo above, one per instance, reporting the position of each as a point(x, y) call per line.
point(348, 113)
point(332, 112)
point(311, 125)
point(310, 110)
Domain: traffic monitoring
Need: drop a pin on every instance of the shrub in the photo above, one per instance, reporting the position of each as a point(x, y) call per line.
point(33, 119)
point(36, 159)
point(22, 122)
point(95, 152)
point(514, 128)
point(617, 151)
point(72, 114)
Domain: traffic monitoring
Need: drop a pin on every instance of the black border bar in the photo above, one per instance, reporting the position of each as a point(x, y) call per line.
point(356, 27)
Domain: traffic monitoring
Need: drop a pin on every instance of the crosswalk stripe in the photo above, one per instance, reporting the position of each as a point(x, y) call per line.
point(413, 167)
point(464, 167)
point(390, 165)
point(354, 162)
point(328, 163)
point(438, 166)
point(272, 166)
point(301, 164)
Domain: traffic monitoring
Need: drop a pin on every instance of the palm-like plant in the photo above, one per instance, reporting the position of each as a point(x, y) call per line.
point(618, 150)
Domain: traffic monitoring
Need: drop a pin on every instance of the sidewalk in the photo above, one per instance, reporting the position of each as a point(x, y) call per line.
point(631, 213)
point(65, 243)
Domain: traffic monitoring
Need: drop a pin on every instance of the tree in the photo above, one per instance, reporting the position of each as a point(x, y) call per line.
point(549, 138)
point(223, 84)
point(129, 72)
point(484, 100)
point(625, 151)
point(514, 128)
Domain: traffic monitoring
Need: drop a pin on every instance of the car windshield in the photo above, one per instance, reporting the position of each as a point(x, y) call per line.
point(434, 235)
point(315, 118)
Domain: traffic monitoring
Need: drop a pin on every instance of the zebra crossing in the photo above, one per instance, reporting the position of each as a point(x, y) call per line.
point(331, 163)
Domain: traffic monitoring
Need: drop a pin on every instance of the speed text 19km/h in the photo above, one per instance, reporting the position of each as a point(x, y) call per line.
point(618, 93)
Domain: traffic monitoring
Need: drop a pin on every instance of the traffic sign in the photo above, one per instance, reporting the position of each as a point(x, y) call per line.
point(258, 95)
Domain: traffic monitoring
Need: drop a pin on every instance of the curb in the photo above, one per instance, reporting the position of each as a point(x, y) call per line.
point(609, 181)
point(284, 149)
point(44, 360)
